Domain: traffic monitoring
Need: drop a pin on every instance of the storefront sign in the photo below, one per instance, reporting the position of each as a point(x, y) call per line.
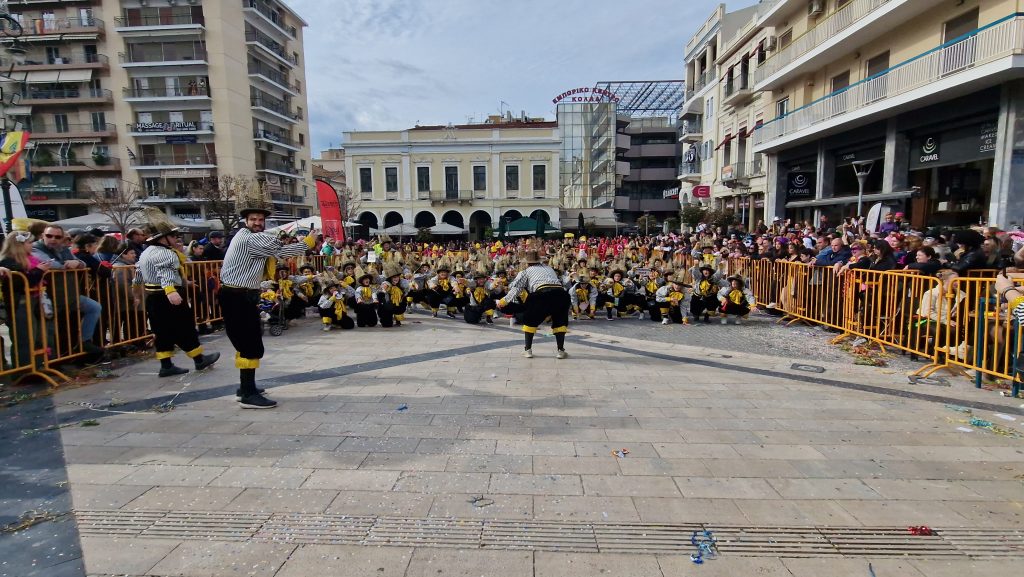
point(800, 185)
point(187, 139)
point(956, 146)
point(42, 213)
point(185, 173)
point(166, 126)
point(586, 95)
point(47, 185)
point(846, 157)
point(702, 191)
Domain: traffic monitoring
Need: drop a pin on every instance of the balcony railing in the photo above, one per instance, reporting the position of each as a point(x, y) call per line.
point(269, 14)
point(41, 96)
point(275, 76)
point(42, 26)
point(423, 195)
point(1002, 38)
point(165, 55)
point(273, 137)
point(277, 106)
point(837, 22)
point(40, 129)
point(447, 196)
point(691, 128)
point(69, 165)
point(88, 60)
point(166, 92)
point(174, 160)
point(701, 82)
point(270, 44)
point(281, 197)
point(282, 167)
point(689, 168)
point(137, 21)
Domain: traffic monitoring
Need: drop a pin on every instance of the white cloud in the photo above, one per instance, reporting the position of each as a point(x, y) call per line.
point(386, 64)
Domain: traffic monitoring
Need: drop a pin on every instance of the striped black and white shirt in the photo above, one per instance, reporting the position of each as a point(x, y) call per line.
point(245, 263)
point(531, 279)
point(158, 265)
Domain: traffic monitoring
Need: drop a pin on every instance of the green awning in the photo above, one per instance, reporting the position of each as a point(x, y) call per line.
point(45, 184)
point(527, 225)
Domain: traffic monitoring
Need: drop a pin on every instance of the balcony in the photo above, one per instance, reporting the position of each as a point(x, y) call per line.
point(689, 172)
point(68, 165)
point(72, 62)
point(51, 131)
point(737, 174)
point(280, 168)
point(158, 25)
point(737, 91)
point(176, 93)
point(163, 55)
point(691, 130)
point(275, 49)
point(166, 128)
point(701, 82)
point(271, 17)
point(451, 197)
point(173, 161)
point(275, 108)
point(66, 96)
point(855, 24)
point(287, 198)
point(980, 59)
point(622, 142)
point(651, 174)
point(275, 78)
point(275, 138)
point(44, 29)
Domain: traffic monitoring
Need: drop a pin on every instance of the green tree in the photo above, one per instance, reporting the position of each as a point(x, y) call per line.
point(720, 218)
point(423, 234)
point(692, 215)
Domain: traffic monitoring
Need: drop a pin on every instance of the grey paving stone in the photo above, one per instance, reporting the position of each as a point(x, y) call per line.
point(470, 563)
point(725, 488)
point(483, 506)
point(456, 446)
point(99, 474)
point(520, 484)
point(124, 555)
point(749, 468)
point(150, 440)
point(262, 477)
point(824, 489)
point(283, 500)
point(672, 565)
point(404, 462)
point(851, 567)
point(618, 486)
point(215, 558)
point(563, 564)
point(796, 513)
point(489, 464)
point(346, 480)
point(379, 444)
point(695, 451)
point(577, 508)
point(323, 460)
point(172, 475)
point(96, 497)
point(438, 483)
point(381, 503)
point(184, 499)
point(546, 465)
point(544, 448)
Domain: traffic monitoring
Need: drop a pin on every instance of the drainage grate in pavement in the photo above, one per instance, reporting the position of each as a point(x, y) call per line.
point(553, 535)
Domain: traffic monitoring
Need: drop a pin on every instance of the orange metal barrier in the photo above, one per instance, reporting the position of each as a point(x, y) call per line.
point(203, 283)
point(22, 352)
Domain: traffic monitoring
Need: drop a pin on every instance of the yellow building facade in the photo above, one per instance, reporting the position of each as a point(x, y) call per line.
point(471, 177)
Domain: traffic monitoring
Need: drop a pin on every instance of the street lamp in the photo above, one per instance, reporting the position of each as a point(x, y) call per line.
point(863, 169)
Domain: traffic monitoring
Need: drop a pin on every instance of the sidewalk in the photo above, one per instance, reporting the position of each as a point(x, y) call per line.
point(435, 449)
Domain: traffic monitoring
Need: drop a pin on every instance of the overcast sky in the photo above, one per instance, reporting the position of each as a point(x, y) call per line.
point(388, 64)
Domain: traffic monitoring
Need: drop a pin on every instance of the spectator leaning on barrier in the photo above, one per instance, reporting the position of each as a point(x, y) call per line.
point(53, 250)
point(837, 252)
point(214, 248)
point(21, 301)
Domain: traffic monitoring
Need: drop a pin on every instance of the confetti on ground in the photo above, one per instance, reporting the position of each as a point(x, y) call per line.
point(29, 519)
point(402, 408)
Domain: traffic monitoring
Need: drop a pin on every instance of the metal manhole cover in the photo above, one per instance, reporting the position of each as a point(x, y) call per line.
point(807, 368)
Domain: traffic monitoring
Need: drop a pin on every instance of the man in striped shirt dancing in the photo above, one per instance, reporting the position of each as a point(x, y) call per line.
point(245, 266)
point(547, 298)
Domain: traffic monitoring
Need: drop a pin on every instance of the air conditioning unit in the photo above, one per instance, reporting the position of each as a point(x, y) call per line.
point(771, 42)
point(816, 7)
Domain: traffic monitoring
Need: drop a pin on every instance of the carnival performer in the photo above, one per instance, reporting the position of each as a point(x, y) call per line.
point(547, 299)
point(440, 291)
point(366, 300)
point(736, 300)
point(649, 293)
point(159, 272)
point(704, 300)
point(332, 307)
point(481, 305)
point(245, 265)
point(583, 297)
point(392, 296)
point(613, 296)
point(669, 299)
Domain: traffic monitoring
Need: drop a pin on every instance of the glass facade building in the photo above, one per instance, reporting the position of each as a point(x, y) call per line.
point(587, 168)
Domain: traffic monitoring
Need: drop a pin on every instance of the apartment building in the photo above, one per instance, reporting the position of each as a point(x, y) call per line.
point(160, 96)
point(651, 154)
point(701, 131)
point(471, 176)
point(923, 97)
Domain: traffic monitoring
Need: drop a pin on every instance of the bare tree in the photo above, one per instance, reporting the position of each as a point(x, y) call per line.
point(218, 195)
point(350, 203)
point(120, 204)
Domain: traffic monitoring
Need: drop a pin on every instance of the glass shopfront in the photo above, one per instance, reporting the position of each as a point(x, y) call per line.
point(588, 155)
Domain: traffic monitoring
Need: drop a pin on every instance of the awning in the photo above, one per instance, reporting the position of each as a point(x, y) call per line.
point(18, 111)
point(867, 198)
point(75, 76)
point(56, 76)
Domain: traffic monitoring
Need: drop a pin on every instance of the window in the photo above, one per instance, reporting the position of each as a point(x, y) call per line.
point(786, 38)
point(302, 139)
point(451, 182)
point(709, 113)
point(391, 179)
point(479, 178)
point(99, 121)
point(423, 179)
point(840, 81)
point(511, 177)
point(782, 107)
point(152, 186)
point(878, 84)
point(366, 180)
point(878, 64)
point(540, 177)
point(60, 122)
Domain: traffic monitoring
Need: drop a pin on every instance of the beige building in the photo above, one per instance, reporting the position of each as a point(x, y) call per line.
point(924, 96)
point(125, 94)
point(470, 176)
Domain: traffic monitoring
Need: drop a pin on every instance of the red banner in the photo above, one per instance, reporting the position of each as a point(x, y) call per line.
point(330, 211)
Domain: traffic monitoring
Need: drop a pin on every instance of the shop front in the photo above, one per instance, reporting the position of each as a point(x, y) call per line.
point(953, 167)
point(801, 183)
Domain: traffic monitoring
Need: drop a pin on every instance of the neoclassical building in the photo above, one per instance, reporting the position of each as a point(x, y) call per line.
point(469, 176)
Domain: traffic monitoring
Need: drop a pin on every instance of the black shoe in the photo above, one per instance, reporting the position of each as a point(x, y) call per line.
point(490, 321)
point(398, 323)
point(451, 315)
point(205, 329)
point(204, 361)
point(257, 401)
point(238, 392)
point(172, 371)
point(707, 319)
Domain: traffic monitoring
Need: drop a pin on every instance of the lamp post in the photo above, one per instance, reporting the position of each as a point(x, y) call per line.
point(16, 52)
point(863, 169)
